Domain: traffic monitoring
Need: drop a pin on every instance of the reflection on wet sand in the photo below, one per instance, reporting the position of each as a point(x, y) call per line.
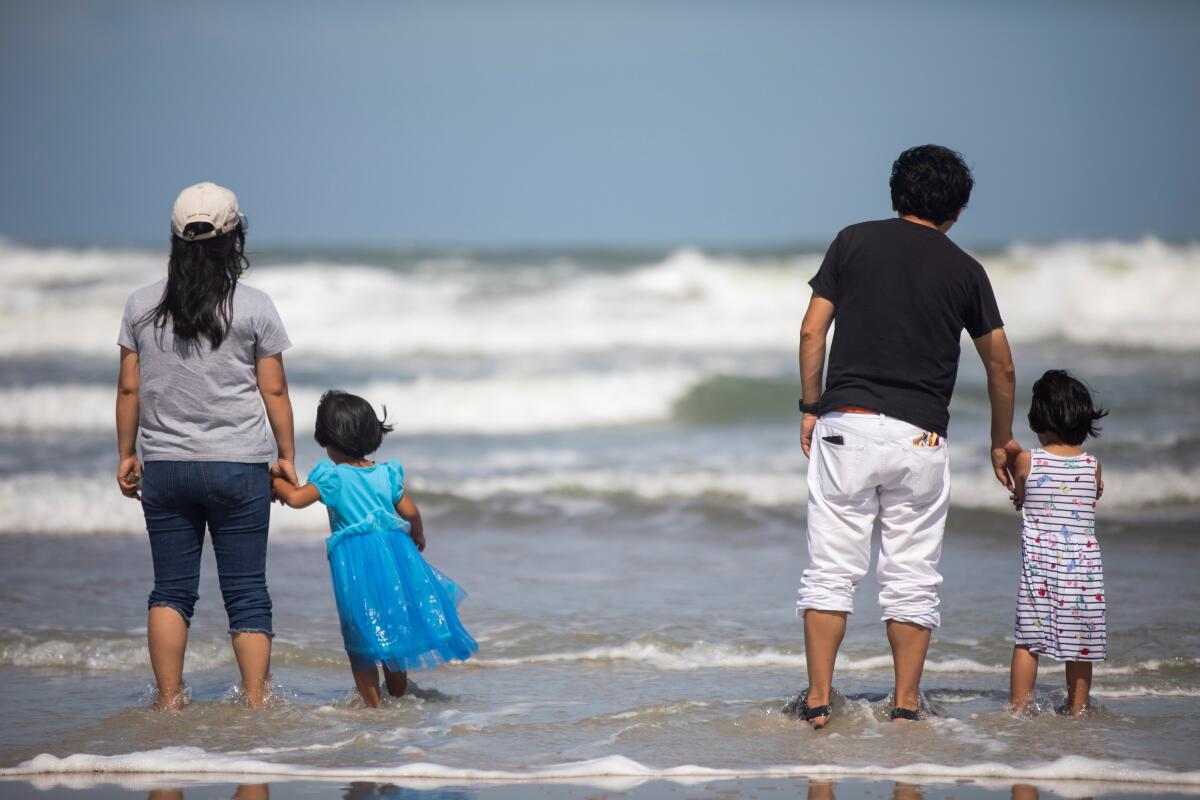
point(365, 791)
point(357, 790)
point(244, 791)
point(823, 790)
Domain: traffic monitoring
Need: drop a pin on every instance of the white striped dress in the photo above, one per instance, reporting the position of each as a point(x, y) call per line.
point(1060, 601)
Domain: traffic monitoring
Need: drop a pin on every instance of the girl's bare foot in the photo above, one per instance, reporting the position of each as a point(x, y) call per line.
point(397, 682)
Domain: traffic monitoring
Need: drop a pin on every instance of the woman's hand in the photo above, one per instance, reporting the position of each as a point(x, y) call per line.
point(418, 538)
point(129, 477)
point(284, 468)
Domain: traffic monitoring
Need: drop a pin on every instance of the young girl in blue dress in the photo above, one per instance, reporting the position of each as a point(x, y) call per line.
point(1060, 598)
point(394, 608)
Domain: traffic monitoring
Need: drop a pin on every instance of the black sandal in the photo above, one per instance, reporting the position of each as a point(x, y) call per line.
point(810, 714)
point(904, 713)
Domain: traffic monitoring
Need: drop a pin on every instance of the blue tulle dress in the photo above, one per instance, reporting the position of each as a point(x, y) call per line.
point(394, 607)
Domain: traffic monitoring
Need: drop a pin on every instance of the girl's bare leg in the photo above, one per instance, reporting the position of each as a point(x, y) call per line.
point(367, 683)
point(397, 682)
point(1022, 679)
point(252, 650)
point(1079, 686)
point(167, 635)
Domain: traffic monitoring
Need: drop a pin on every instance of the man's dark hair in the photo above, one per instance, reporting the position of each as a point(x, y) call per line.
point(1063, 406)
point(931, 182)
point(348, 422)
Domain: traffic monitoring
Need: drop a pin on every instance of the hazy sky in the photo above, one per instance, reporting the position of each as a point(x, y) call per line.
point(619, 123)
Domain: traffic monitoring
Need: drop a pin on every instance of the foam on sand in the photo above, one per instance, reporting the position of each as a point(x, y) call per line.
point(192, 761)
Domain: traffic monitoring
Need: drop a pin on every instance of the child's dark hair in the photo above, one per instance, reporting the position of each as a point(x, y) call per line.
point(347, 422)
point(1063, 406)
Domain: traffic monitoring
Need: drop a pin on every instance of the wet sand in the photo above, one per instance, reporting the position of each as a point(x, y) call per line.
point(751, 788)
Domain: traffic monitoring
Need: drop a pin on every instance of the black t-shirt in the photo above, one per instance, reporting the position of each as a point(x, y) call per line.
point(902, 295)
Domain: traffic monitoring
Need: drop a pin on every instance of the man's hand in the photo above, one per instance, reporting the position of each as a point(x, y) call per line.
point(284, 468)
point(1004, 460)
point(1018, 496)
point(129, 477)
point(806, 431)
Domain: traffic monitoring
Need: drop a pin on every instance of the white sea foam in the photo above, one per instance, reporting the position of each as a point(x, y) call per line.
point(90, 504)
point(716, 655)
point(102, 653)
point(192, 761)
point(499, 405)
point(1132, 692)
point(1105, 293)
point(784, 485)
point(99, 651)
point(68, 302)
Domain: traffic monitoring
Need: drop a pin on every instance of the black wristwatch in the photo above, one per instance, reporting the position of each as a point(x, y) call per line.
point(808, 408)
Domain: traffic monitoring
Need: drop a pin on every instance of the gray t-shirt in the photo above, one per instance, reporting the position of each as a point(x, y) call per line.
point(196, 403)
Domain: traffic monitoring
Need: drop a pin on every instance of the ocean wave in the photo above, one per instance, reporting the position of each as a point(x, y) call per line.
point(714, 655)
point(1136, 294)
point(109, 651)
point(1131, 692)
point(193, 761)
point(500, 405)
point(49, 503)
point(674, 657)
point(93, 652)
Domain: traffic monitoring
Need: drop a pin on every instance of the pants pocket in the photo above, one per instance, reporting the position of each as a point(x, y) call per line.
point(840, 468)
point(158, 484)
point(230, 484)
point(926, 472)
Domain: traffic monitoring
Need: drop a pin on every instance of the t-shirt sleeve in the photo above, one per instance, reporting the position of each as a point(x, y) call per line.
point(396, 476)
point(126, 338)
point(270, 337)
point(325, 477)
point(825, 282)
point(982, 314)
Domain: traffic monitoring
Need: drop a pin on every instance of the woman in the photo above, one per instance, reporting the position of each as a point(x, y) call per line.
point(198, 351)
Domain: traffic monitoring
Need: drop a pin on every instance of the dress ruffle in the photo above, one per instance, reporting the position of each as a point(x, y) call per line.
point(394, 607)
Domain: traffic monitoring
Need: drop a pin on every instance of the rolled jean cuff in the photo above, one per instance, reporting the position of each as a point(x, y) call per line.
point(178, 608)
point(253, 629)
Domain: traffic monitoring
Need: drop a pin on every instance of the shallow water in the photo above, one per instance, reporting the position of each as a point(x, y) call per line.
point(606, 458)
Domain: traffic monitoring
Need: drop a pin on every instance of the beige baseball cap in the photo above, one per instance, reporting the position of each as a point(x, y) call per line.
point(205, 202)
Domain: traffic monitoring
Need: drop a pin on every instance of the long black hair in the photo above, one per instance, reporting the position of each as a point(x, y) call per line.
point(201, 277)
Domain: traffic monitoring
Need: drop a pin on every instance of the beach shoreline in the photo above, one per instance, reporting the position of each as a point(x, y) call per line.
point(814, 787)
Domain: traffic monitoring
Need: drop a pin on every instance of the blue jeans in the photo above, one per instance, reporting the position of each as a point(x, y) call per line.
point(181, 498)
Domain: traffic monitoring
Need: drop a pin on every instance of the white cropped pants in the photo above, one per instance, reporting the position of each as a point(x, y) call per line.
point(876, 473)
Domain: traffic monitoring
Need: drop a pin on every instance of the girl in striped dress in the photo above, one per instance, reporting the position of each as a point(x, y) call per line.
point(1060, 599)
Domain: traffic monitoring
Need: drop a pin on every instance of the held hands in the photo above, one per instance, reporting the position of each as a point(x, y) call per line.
point(1017, 496)
point(283, 468)
point(1004, 461)
point(129, 477)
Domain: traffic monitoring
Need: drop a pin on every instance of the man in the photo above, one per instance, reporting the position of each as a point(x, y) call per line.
point(902, 294)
